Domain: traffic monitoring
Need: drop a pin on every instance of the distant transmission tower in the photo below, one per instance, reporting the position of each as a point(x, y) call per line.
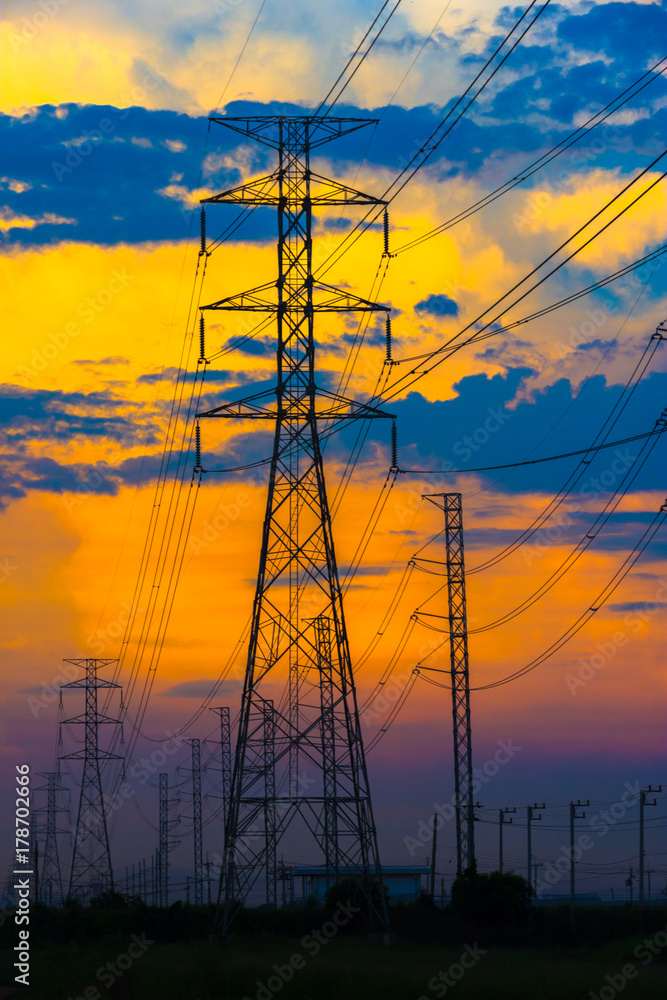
point(50, 875)
point(297, 756)
point(91, 859)
point(450, 503)
point(196, 821)
point(225, 759)
point(163, 849)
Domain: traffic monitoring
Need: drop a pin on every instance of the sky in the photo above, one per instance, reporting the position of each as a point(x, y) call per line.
point(106, 151)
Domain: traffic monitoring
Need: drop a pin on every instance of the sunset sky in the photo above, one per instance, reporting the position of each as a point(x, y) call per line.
point(106, 151)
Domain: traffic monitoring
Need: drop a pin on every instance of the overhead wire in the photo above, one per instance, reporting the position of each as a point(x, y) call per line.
point(652, 74)
point(585, 542)
point(585, 617)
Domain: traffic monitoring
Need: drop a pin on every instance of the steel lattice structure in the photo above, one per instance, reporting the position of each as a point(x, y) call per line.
point(91, 872)
point(50, 875)
point(300, 753)
point(458, 645)
point(163, 849)
point(225, 758)
point(197, 822)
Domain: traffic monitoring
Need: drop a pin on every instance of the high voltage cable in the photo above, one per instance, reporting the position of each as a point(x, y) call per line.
point(649, 258)
point(323, 103)
point(373, 214)
point(585, 542)
point(405, 381)
point(653, 73)
point(584, 618)
point(536, 461)
point(601, 437)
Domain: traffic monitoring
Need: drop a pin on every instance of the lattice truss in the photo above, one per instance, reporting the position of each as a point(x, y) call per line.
point(299, 748)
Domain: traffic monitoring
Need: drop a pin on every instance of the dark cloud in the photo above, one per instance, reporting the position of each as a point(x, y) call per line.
point(42, 414)
point(116, 360)
point(484, 425)
point(438, 305)
point(633, 34)
point(648, 606)
point(111, 170)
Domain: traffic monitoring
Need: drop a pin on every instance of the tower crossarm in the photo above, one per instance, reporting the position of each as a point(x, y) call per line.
point(269, 130)
point(330, 300)
point(340, 408)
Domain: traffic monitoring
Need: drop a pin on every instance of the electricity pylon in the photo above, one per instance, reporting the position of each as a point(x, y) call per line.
point(91, 858)
point(293, 732)
point(450, 503)
point(50, 875)
point(196, 821)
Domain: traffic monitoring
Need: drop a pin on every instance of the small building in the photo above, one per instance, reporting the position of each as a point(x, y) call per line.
point(403, 883)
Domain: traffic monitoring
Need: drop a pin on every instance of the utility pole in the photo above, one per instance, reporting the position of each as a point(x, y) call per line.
point(451, 505)
point(297, 580)
point(574, 815)
point(502, 813)
point(630, 882)
point(50, 878)
point(649, 872)
point(196, 820)
point(91, 858)
point(530, 816)
point(643, 802)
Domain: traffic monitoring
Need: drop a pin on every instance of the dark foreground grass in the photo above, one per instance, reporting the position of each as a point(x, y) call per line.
point(344, 969)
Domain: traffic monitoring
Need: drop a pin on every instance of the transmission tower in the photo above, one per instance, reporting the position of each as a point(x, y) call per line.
point(196, 820)
point(450, 503)
point(50, 875)
point(225, 759)
point(91, 859)
point(163, 849)
point(297, 582)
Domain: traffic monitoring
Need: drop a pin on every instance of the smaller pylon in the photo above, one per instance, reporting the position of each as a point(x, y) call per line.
point(50, 875)
point(196, 821)
point(91, 872)
point(167, 843)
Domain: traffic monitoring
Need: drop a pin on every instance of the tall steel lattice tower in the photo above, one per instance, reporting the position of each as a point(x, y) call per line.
point(50, 875)
point(458, 645)
point(299, 750)
point(91, 859)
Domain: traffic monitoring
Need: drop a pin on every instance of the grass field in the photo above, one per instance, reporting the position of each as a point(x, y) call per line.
point(344, 969)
